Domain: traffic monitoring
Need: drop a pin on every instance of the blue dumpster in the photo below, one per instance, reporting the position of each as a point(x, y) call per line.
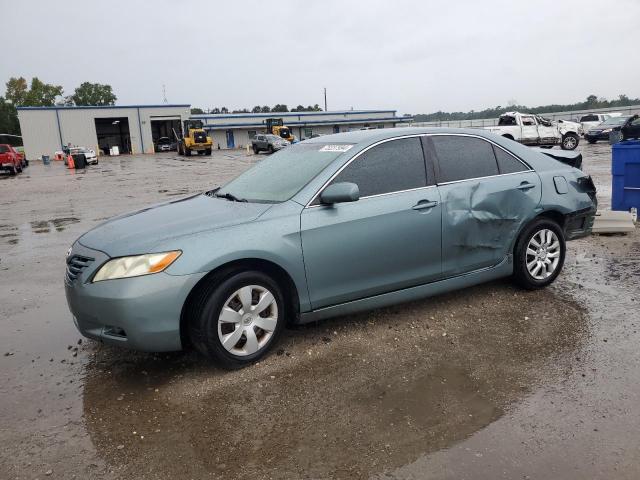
point(45, 159)
point(625, 168)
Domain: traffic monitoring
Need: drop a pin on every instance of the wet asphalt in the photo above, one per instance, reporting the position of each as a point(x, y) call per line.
point(490, 382)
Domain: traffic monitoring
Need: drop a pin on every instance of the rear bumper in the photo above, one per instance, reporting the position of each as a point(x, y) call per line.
point(579, 224)
point(141, 313)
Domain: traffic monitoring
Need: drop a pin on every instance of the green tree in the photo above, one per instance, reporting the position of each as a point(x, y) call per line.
point(197, 111)
point(265, 109)
point(40, 94)
point(8, 118)
point(256, 109)
point(280, 108)
point(224, 110)
point(94, 94)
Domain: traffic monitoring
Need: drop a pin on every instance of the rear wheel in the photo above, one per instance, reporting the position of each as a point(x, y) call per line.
point(208, 152)
point(570, 141)
point(255, 150)
point(187, 151)
point(539, 254)
point(270, 149)
point(236, 320)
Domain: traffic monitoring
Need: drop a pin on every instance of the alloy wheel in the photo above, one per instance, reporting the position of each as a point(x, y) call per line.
point(247, 320)
point(543, 254)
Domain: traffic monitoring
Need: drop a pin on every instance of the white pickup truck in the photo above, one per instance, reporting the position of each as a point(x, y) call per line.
point(530, 129)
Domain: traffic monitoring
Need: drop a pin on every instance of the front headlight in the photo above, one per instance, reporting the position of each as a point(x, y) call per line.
point(606, 130)
point(125, 267)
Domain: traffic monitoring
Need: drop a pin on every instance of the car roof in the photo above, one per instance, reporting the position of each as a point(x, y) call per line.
point(364, 138)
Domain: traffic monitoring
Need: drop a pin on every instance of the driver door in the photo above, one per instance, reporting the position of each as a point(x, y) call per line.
point(387, 240)
point(529, 130)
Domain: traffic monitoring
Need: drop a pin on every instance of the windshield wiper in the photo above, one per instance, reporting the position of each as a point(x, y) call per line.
point(229, 196)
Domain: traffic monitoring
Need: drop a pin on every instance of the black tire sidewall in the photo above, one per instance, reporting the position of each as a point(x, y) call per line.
point(520, 272)
point(570, 135)
point(209, 343)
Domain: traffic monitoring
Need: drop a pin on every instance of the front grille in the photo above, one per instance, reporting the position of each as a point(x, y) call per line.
point(75, 265)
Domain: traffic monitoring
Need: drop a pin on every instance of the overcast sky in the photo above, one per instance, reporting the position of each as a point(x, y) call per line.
point(413, 56)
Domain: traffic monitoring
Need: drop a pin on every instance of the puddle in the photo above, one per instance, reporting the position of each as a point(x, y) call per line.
point(44, 226)
point(346, 399)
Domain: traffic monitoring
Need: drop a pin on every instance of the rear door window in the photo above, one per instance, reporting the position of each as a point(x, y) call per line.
point(392, 166)
point(462, 158)
point(507, 163)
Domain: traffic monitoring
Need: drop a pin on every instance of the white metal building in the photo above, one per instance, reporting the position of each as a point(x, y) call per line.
point(133, 128)
point(235, 130)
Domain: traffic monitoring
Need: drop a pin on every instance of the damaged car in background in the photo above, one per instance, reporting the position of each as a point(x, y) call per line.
point(329, 226)
point(534, 130)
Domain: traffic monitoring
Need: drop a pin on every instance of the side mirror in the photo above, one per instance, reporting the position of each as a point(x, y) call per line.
point(340, 193)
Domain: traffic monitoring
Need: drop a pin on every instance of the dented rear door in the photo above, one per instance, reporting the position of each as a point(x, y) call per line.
point(482, 209)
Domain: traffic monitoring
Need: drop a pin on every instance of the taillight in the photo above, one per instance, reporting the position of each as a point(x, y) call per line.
point(586, 185)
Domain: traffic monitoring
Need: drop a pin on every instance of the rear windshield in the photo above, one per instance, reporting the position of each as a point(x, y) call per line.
point(615, 121)
point(283, 174)
point(4, 149)
point(589, 118)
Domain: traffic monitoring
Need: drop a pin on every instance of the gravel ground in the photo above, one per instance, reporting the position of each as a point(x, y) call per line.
point(490, 382)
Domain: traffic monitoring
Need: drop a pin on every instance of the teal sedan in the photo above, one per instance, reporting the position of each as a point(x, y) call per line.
point(330, 226)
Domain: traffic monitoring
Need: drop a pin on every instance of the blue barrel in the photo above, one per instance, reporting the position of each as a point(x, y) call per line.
point(625, 168)
point(45, 159)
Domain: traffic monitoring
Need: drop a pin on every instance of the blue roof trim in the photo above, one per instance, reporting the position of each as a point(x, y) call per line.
point(289, 114)
point(85, 107)
point(316, 122)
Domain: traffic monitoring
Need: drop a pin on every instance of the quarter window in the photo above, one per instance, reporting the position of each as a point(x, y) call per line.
point(461, 158)
point(507, 163)
point(389, 167)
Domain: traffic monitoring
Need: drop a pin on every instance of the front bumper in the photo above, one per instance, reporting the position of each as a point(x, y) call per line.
point(596, 136)
point(141, 313)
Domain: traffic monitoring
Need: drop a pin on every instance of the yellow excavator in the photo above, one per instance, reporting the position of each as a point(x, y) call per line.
point(277, 127)
point(193, 139)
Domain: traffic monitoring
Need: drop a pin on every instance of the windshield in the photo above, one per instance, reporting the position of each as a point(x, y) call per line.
point(615, 121)
point(283, 174)
point(284, 132)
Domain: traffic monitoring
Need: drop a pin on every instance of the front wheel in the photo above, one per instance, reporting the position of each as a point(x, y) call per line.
point(539, 254)
point(255, 150)
point(208, 152)
point(570, 141)
point(238, 319)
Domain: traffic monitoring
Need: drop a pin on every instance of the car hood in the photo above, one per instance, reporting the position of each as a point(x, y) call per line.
point(144, 231)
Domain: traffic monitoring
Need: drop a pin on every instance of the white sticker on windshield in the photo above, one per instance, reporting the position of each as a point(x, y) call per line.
point(335, 148)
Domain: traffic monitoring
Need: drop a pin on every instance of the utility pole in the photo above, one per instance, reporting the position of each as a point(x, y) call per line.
point(325, 99)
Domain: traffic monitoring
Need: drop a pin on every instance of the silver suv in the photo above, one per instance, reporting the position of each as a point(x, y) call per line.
point(267, 142)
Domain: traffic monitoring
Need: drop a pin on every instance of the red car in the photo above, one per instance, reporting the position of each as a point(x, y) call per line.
point(10, 159)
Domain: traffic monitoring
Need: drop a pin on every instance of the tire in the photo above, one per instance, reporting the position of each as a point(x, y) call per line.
point(256, 150)
point(270, 149)
point(208, 152)
point(13, 170)
point(525, 271)
point(187, 151)
point(19, 168)
point(592, 140)
point(206, 331)
point(570, 141)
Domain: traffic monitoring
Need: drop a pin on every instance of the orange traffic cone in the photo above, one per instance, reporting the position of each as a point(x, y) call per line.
point(70, 163)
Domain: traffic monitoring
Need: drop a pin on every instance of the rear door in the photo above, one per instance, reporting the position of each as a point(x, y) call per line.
point(487, 194)
point(387, 240)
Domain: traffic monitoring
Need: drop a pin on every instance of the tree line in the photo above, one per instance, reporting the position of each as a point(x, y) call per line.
point(19, 93)
point(278, 108)
point(592, 102)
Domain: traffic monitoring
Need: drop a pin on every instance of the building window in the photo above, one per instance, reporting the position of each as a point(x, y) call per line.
point(307, 133)
point(252, 134)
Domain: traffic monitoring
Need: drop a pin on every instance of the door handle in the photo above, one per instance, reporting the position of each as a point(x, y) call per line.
point(424, 205)
point(524, 186)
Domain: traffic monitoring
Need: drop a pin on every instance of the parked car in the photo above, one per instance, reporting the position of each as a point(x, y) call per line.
point(266, 142)
point(603, 130)
point(164, 144)
point(89, 155)
point(10, 159)
point(535, 130)
point(329, 226)
point(592, 120)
